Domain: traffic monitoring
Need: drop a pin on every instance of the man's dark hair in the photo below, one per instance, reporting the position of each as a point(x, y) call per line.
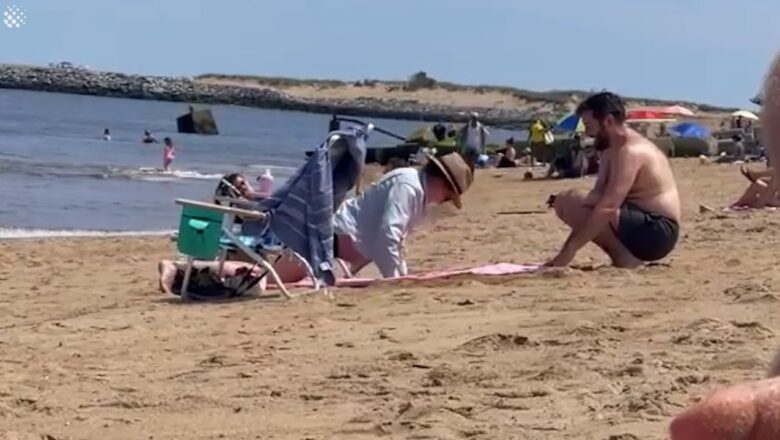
point(602, 105)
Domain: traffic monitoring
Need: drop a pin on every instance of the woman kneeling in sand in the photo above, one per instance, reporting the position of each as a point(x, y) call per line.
point(762, 192)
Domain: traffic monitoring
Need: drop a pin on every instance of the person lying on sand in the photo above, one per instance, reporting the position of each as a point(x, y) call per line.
point(633, 211)
point(207, 281)
point(747, 411)
point(762, 192)
point(236, 186)
point(172, 275)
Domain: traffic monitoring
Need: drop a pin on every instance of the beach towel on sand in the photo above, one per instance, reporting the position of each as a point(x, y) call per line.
point(737, 208)
point(487, 270)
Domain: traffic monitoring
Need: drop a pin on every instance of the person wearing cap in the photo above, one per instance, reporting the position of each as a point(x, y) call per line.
point(633, 211)
point(472, 139)
point(372, 227)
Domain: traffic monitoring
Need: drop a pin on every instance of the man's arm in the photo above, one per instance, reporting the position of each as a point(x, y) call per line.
point(401, 204)
point(622, 174)
point(595, 194)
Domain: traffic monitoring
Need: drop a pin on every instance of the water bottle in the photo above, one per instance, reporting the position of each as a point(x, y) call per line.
point(265, 183)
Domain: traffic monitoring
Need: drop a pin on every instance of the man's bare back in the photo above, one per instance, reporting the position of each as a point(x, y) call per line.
point(654, 188)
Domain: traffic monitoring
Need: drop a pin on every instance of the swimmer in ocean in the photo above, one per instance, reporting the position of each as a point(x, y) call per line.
point(148, 138)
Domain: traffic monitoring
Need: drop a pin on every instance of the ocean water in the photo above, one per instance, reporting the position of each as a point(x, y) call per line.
point(58, 177)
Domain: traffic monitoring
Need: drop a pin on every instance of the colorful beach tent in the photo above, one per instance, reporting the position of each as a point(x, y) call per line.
point(690, 130)
point(744, 114)
point(570, 123)
point(671, 110)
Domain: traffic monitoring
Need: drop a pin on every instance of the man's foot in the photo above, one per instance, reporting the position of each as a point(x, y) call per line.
point(167, 272)
point(626, 261)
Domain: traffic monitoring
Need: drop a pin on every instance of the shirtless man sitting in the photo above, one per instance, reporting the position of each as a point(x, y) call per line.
point(633, 211)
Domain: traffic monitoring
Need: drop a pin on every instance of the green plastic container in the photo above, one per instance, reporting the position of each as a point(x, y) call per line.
point(199, 233)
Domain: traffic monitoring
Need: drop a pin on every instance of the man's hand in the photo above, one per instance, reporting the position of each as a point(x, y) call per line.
point(563, 259)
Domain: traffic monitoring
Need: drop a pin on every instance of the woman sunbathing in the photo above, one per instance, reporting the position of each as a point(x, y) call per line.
point(207, 281)
point(762, 192)
point(235, 186)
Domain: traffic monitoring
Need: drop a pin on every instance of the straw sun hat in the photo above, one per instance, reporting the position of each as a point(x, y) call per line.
point(457, 173)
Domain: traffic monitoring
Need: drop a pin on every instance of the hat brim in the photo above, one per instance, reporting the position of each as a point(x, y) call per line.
point(446, 172)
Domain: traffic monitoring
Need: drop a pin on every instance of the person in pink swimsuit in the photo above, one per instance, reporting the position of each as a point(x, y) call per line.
point(168, 154)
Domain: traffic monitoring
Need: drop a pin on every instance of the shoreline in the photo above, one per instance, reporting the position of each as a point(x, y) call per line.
point(498, 106)
point(11, 233)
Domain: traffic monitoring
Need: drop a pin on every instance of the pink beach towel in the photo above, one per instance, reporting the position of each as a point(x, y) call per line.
point(736, 208)
point(487, 270)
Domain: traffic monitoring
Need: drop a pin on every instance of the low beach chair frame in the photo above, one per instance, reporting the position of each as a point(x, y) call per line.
point(229, 215)
point(235, 207)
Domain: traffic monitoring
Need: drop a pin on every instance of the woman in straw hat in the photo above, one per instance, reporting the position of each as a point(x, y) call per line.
point(372, 227)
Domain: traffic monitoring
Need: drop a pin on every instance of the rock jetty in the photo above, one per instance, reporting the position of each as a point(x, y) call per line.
point(184, 89)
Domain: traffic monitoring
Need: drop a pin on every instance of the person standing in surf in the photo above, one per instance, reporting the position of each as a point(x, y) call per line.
point(168, 154)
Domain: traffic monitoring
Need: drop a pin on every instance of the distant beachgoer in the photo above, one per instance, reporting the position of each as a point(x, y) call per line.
point(508, 156)
point(572, 164)
point(538, 140)
point(148, 138)
point(662, 131)
point(106, 135)
point(236, 186)
point(472, 139)
point(168, 154)
point(633, 212)
point(439, 131)
point(762, 192)
point(334, 124)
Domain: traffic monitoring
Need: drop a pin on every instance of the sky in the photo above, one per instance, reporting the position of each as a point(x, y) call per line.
point(671, 49)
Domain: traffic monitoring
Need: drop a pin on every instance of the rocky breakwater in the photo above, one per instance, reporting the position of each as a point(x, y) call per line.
point(87, 82)
point(183, 89)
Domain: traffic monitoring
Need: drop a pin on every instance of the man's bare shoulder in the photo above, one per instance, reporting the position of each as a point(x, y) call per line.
point(640, 146)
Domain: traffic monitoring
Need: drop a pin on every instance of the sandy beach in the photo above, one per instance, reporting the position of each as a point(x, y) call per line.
point(90, 349)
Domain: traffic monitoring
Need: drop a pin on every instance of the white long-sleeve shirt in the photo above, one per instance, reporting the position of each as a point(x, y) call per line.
point(380, 218)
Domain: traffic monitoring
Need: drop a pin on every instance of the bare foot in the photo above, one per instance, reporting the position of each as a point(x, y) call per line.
point(167, 272)
point(626, 261)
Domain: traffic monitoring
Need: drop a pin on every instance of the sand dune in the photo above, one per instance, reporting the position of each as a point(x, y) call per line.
point(90, 349)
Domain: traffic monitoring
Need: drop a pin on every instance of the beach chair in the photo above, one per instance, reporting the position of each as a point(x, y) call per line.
point(296, 220)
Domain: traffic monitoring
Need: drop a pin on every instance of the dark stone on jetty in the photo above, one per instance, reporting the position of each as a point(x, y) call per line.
point(197, 122)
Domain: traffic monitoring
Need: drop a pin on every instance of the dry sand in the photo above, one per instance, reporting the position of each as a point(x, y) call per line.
point(90, 349)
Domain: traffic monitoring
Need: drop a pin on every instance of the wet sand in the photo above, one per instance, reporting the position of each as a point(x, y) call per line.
point(90, 349)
